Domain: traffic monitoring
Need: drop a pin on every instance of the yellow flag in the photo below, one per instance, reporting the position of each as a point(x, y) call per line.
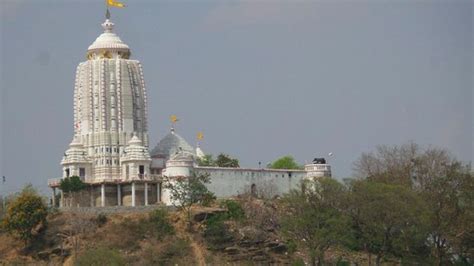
point(200, 136)
point(115, 3)
point(174, 118)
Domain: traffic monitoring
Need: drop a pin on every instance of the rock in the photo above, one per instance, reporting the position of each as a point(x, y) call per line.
point(204, 214)
point(231, 250)
point(259, 258)
point(252, 234)
point(49, 253)
point(43, 255)
point(252, 249)
point(280, 248)
point(245, 244)
point(272, 244)
point(259, 253)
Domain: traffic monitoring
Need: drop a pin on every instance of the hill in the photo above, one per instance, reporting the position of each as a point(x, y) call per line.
point(243, 231)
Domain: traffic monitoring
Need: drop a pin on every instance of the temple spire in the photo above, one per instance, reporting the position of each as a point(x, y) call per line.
point(107, 13)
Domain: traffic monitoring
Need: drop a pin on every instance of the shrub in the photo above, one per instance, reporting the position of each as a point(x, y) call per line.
point(176, 249)
point(123, 235)
point(101, 219)
point(298, 262)
point(158, 223)
point(234, 210)
point(98, 257)
point(173, 251)
point(217, 233)
point(292, 247)
point(208, 199)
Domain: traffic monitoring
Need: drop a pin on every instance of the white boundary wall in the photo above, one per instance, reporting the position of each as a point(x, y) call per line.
point(227, 182)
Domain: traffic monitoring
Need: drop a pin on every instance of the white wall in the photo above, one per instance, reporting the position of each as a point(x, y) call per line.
point(227, 182)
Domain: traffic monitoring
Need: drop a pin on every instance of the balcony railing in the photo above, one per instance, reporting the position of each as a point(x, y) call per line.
point(55, 182)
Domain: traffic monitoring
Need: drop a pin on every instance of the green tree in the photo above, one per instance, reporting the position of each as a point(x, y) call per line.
point(72, 185)
point(224, 160)
point(451, 209)
point(285, 162)
point(24, 214)
point(387, 219)
point(207, 160)
point(445, 184)
point(185, 192)
point(313, 217)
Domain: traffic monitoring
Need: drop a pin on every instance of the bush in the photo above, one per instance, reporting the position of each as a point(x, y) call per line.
point(298, 262)
point(292, 247)
point(158, 223)
point(234, 210)
point(101, 219)
point(217, 233)
point(99, 256)
point(123, 236)
point(208, 199)
point(173, 251)
point(176, 249)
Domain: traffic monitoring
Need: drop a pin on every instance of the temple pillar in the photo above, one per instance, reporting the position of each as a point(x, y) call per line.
point(133, 194)
point(119, 195)
point(91, 194)
point(158, 192)
point(102, 195)
point(54, 197)
point(146, 194)
point(61, 202)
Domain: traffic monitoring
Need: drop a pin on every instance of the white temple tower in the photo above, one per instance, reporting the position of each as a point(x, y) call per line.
point(110, 107)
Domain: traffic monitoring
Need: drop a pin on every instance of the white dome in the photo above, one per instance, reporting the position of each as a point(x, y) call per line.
point(135, 151)
point(108, 40)
point(199, 153)
point(170, 145)
point(76, 153)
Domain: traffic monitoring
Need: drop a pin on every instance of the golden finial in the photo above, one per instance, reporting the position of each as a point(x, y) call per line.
point(200, 135)
point(174, 119)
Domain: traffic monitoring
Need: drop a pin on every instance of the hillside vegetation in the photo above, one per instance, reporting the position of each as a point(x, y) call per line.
point(407, 207)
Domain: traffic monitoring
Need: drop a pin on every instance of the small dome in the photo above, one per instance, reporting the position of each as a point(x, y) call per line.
point(171, 144)
point(199, 153)
point(135, 141)
point(135, 151)
point(76, 153)
point(108, 41)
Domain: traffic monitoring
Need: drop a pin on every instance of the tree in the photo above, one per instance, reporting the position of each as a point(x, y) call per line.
point(71, 185)
point(389, 164)
point(24, 214)
point(207, 160)
point(451, 207)
point(314, 219)
point(444, 184)
point(285, 162)
point(186, 192)
point(224, 160)
point(387, 219)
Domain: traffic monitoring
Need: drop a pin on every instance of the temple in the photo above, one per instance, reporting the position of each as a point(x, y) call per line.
point(109, 150)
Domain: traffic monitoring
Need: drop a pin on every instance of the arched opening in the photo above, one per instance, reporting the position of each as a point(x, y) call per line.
point(253, 190)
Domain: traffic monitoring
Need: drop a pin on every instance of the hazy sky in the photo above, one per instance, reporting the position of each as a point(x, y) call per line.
point(261, 79)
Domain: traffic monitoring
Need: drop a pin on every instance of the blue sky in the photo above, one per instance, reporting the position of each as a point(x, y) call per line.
point(261, 79)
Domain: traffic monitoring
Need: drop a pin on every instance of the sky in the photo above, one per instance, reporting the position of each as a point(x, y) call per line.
point(262, 79)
